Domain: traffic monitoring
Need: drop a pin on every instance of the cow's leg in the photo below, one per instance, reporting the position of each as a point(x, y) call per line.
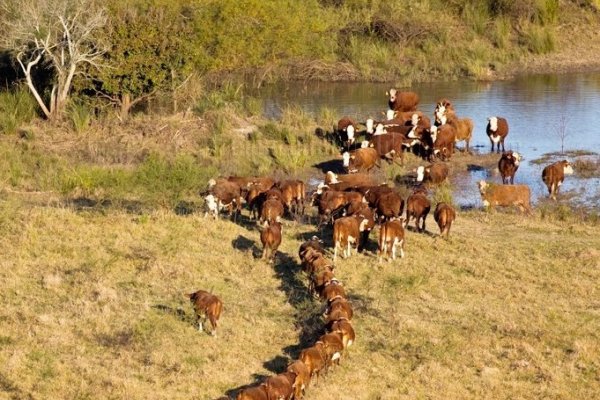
point(394, 248)
point(199, 321)
point(335, 250)
point(401, 248)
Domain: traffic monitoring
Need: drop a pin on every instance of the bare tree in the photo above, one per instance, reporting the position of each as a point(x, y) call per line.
point(55, 34)
point(561, 131)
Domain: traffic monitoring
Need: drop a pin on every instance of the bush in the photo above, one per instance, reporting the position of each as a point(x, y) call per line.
point(80, 116)
point(16, 109)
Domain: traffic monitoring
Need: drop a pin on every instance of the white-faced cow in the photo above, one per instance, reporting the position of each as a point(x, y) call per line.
point(553, 176)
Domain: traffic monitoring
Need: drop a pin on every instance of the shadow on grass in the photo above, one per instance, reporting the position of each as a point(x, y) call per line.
point(86, 204)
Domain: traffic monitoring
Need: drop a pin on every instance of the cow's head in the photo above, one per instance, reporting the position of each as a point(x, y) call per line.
point(414, 119)
point(567, 167)
point(517, 157)
point(493, 121)
point(321, 188)
point(369, 124)
point(379, 130)
point(211, 183)
point(392, 93)
point(433, 133)
point(346, 158)
point(331, 177)
point(420, 173)
point(390, 114)
point(350, 133)
point(483, 185)
point(364, 144)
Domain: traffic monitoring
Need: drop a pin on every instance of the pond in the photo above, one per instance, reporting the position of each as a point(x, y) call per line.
point(546, 114)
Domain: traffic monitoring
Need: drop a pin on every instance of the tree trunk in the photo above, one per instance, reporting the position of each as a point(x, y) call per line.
point(125, 105)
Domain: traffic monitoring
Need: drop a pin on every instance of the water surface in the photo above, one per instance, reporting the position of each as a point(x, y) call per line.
point(538, 108)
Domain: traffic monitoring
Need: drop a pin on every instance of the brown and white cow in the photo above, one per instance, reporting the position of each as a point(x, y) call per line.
point(294, 194)
point(346, 129)
point(206, 306)
point(345, 328)
point(391, 234)
point(508, 166)
point(402, 101)
point(553, 176)
point(346, 234)
point(417, 207)
point(271, 211)
point(333, 344)
point(434, 173)
point(505, 196)
point(223, 194)
point(463, 128)
point(444, 215)
point(270, 237)
point(444, 138)
point(389, 205)
point(315, 359)
point(359, 160)
point(497, 130)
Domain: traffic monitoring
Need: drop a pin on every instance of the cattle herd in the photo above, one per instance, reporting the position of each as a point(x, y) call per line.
point(352, 204)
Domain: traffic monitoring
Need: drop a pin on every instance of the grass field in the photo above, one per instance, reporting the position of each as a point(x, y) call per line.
point(94, 307)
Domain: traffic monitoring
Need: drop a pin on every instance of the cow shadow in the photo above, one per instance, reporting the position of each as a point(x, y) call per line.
point(178, 312)
point(335, 166)
point(244, 244)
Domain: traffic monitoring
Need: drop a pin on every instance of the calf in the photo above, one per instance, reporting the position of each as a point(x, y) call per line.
point(346, 234)
point(391, 146)
point(505, 195)
point(332, 201)
point(497, 130)
point(435, 173)
point(508, 165)
point(359, 160)
point(417, 207)
point(313, 243)
point(341, 304)
point(444, 215)
point(302, 378)
point(332, 290)
point(206, 305)
point(402, 101)
point(281, 386)
point(347, 181)
point(553, 176)
point(391, 234)
point(270, 237)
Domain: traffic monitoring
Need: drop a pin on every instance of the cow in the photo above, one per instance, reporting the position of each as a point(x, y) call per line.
point(463, 128)
point(346, 181)
point(341, 304)
point(389, 205)
point(333, 345)
point(313, 243)
point(508, 166)
point(346, 129)
point(497, 130)
point(224, 194)
point(444, 215)
point(254, 393)
point(344, 327)
point(359, 160)
point(434, 173)
point(281, 386)
point(392, 145)
point(320, 276)
point(293, 195)
point(271, 211)
point(553, 176)
point(391, 234)
point(333, 289)
point(302, 378)
point(330, 202)
point(402, 101)
point(206, 306)
point(417, 207)
point(444, 138)
point(270, 237)
point(315, 359)
point(346, 234)
point(505, 195)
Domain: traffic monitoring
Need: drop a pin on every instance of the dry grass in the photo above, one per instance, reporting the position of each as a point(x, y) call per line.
point(93, 307)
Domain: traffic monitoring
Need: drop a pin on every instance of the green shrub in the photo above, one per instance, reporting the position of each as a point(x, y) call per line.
point(80, 116)
point(16, 108)
point(538, 39)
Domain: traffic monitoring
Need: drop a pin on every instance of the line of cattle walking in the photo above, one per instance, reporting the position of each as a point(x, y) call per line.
point(353, 204)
